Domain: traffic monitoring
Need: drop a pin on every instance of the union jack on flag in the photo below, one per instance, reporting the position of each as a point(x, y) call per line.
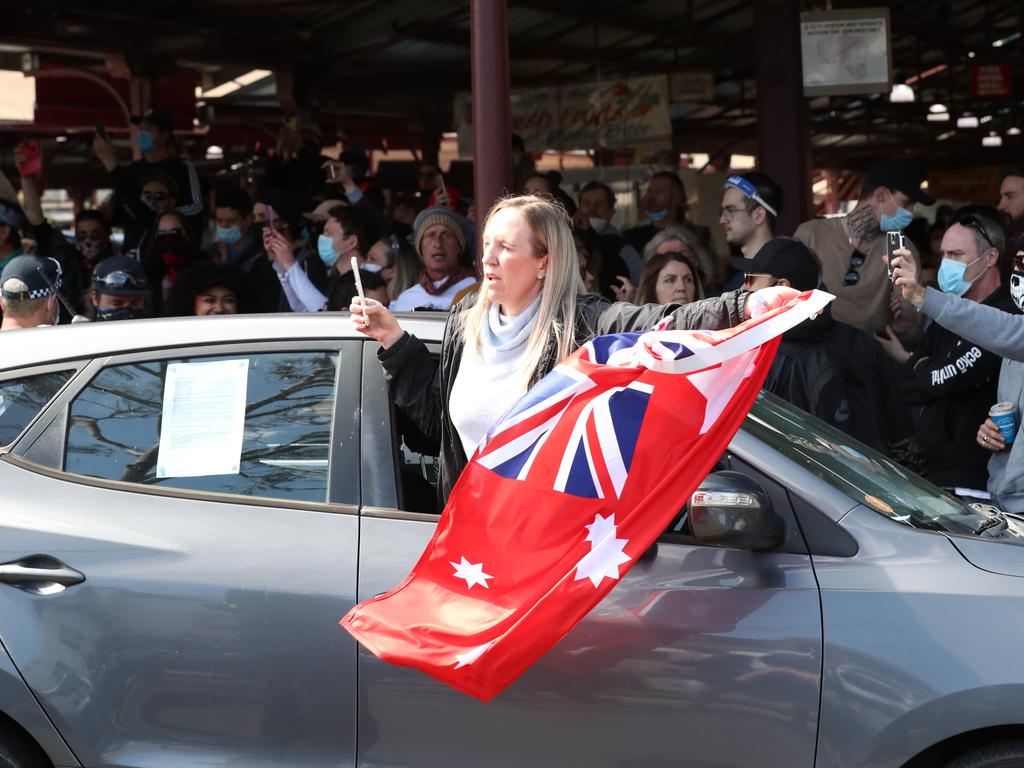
point(565, 493)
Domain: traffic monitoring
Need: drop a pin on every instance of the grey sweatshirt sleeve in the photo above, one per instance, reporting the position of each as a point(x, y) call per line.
point(991, 328)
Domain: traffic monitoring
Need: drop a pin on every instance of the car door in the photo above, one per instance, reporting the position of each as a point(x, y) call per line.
point(701, 655)
point(173, 603)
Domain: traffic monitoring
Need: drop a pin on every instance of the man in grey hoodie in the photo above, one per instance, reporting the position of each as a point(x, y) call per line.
point(1000, 332)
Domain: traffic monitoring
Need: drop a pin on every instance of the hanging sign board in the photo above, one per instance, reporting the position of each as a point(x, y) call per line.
point(846, 52)
point(991, 80)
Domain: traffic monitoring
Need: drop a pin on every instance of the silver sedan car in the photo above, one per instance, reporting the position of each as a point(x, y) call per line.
point(190, 506)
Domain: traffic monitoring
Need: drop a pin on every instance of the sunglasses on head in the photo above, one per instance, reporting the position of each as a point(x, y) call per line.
point(116, 279)
point(973, 222)
point(852, 276)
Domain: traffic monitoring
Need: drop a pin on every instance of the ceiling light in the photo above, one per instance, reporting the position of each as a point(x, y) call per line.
point(1005, 40)
point(967, 121)
point(938, 117)
point(901, 94)
point(946, 135)
point(992, 140)
point(985, 119)
point(937, 108)
point(213, 152)
point(970, 54)
point(742, 162)
point(250, 77)
point(1015, 131)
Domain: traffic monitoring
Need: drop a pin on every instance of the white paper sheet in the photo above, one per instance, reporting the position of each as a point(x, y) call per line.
point(203, 419)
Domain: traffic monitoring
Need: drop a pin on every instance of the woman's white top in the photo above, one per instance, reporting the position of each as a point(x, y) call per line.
point(490, 381)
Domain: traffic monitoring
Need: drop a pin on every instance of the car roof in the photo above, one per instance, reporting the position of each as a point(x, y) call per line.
point(40, 346)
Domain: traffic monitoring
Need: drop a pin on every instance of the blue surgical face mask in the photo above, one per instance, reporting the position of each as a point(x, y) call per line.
point(146, 141)
point(371, 267)
point(897, 222)
point(325, 248)
point(951, 276)
point(656, 215)
point(229, 235)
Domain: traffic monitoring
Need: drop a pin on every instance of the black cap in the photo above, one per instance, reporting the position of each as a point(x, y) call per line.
point(784, 258)
point(901, 175)
point(37, 277)
point(120, 276)
point(157, 117)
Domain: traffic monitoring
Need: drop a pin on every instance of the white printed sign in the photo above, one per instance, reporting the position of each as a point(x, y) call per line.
point(203, 419)
point(846, 51)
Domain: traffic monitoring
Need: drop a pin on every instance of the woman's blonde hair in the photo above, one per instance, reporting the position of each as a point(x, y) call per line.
point(550, 235)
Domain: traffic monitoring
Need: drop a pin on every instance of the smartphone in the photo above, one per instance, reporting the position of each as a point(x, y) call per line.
point(30, 158)
point(270, 219)
point(101, 130)
point(894, 241)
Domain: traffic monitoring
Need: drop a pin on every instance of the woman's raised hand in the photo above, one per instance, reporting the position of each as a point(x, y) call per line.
point(373, 319)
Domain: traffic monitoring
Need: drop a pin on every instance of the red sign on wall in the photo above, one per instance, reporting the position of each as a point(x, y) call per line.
point(991, 80)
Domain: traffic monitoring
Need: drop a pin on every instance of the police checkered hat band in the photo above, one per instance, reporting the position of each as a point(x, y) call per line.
point(30, 277)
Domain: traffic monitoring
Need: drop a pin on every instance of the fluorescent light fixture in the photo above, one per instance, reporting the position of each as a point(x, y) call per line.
point(61, 139)
point(985, 119)
point(967, 121)
point(937, 108)
point(992, 141)
point(924, 185)
point(213, 152)
point(927, 73)
point(970, 54)
point(742, 162)
point(1006, 40)
point(946, 135)
point(901, 94)
point(250, 77)
point(17, 96)
point(938, 117)
point(1015, 131)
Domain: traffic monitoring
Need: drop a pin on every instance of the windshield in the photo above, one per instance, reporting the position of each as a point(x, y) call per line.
point(854, 469)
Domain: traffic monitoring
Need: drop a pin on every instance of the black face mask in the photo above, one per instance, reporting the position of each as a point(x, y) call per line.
point(121, 313)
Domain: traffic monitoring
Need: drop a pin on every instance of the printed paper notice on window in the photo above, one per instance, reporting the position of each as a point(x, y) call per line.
point(203, 418)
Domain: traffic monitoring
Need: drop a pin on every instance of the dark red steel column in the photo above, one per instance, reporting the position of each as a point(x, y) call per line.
point(785, 137)
point(492, 120)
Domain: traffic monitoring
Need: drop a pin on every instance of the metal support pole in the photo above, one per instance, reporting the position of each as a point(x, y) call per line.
point(785, 136)
point(492, 120)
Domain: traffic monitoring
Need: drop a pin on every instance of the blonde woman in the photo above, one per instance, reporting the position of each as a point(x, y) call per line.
point(528, 314)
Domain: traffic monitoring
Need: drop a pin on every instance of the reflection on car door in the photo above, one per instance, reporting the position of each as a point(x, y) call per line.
point(205, 631)
point(701, 656)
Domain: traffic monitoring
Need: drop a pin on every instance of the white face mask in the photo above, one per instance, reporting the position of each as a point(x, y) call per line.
point(1017, 289)
point(597, 225)
point(371, 267)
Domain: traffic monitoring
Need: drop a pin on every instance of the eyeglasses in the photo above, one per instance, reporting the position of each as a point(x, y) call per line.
point(852, 276)
point(155, 197)
point(749, 277)
point(728, 212)
point(973, 222)
point(119, 279)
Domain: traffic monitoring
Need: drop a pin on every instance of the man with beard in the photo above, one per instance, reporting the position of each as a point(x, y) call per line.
point(1011, 203)
point(852, 248)
point(664, 203)
point(440, 237)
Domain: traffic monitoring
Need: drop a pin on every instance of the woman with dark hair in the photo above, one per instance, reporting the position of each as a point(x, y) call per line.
point(211, 289)
point(549, 183)
point(670, 278)
point(169, 251)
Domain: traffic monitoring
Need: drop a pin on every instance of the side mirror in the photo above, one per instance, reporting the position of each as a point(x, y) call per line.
point(730, 509)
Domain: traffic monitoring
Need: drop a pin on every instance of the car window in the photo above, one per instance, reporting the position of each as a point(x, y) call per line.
point(417, 464)
point(256, 425)
point(22, 398)
point(861, 473)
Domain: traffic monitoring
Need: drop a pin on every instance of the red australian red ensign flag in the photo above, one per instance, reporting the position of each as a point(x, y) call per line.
point(567, 490)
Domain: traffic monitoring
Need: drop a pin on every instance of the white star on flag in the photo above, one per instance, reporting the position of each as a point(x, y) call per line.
point(467, 658)
point(606, 551)
point(473, 573)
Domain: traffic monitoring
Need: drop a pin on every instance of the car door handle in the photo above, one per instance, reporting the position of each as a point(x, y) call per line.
point(40, 574)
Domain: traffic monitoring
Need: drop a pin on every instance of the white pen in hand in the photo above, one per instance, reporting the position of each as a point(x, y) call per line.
point(359, 289)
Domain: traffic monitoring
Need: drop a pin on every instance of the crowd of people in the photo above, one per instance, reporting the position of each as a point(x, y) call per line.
point(883, 364)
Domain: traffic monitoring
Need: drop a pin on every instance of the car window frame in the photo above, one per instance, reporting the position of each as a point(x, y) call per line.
point(343, 489)
point(74, 367)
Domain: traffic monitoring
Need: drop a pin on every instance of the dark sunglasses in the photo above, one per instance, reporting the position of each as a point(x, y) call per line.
point(117, 279)
point(852, 276)
point(973, 222)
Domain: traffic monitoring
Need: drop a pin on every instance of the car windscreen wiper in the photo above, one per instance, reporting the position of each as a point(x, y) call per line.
point(991, 524)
